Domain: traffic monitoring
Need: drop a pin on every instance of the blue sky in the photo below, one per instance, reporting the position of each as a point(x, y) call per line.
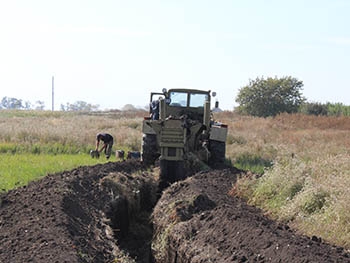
point(113, 53)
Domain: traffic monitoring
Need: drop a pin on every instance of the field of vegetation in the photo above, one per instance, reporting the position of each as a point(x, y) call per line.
point(301, 170)
point(34, 143)
point(299, 164)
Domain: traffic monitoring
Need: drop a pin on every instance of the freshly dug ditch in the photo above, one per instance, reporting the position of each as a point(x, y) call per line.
point(103, 214)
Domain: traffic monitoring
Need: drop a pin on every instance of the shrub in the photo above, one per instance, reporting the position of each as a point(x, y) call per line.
point(314, 108)
point(314, 202)
point(338, 109)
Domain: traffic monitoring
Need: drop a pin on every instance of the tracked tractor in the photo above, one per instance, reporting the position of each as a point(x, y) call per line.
point(181, 127)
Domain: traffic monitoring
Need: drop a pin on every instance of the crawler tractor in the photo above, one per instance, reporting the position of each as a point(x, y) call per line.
point(183, 129)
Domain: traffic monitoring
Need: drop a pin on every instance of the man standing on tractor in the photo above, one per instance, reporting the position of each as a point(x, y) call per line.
point(107, 143)
point(155, 109)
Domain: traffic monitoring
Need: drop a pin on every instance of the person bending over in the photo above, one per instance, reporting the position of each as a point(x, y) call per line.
point(107, 140)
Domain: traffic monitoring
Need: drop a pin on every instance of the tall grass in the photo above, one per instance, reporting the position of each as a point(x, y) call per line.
point(60, 132)
point(307, 186)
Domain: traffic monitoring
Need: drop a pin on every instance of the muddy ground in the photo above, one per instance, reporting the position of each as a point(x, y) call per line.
point(103, 214)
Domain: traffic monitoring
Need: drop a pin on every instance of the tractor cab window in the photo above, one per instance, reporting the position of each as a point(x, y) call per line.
point(178, 99)
point(198, 99)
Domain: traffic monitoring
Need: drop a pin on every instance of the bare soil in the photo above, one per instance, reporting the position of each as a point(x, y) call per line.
point(82, 216)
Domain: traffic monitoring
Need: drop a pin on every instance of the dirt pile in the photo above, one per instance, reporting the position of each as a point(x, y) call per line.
point(198, 221)
point(102, 213)
point(61, 218)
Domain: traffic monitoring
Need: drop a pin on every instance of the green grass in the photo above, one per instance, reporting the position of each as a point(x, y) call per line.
point(252, 162)
point(44, 148)
point(19, 169)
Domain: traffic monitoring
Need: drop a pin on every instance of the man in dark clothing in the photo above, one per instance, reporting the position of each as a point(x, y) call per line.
point(107, 143)
point(155, 110)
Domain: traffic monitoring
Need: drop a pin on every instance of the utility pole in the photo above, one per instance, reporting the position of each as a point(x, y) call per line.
point(53, 95)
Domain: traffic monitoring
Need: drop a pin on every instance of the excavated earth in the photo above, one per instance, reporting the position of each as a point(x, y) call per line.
point(111, 213)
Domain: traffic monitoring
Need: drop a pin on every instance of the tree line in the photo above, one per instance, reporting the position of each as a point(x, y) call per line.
point(18, 104)
point(262, 97)
point(272, 96)
point(9, 103)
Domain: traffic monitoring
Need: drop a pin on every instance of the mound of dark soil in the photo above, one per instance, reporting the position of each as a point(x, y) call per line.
point(61, 218)
point(198, 221)
point(86, 215)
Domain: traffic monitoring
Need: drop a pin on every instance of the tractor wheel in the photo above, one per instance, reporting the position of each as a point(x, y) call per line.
point(149, 149)
point(170, 172)
point(217, 152)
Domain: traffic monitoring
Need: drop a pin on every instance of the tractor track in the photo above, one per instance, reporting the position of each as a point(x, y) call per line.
point(78, 216)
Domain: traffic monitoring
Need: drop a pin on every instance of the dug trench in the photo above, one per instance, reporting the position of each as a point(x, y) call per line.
point(113, 213)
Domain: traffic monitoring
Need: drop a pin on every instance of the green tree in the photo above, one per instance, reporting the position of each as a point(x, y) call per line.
point(271, 96)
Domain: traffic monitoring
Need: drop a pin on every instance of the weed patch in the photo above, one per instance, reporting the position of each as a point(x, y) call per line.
point(252, 162)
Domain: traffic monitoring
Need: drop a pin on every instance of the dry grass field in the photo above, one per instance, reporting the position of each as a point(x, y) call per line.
point(300, 163)
point(67, 132)
point(308, 184)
